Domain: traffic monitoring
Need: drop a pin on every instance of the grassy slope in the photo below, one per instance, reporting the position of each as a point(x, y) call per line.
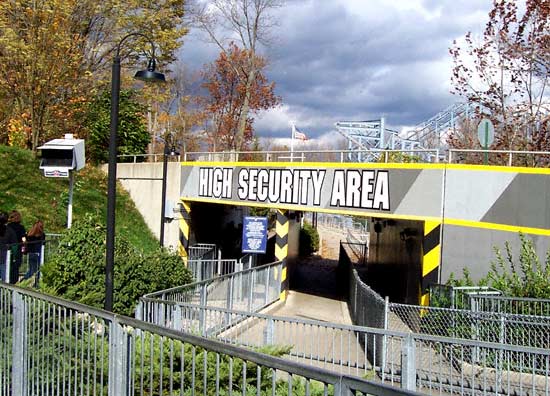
point(23, 187)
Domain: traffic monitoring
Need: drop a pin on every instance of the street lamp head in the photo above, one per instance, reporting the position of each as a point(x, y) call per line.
point(150, 74)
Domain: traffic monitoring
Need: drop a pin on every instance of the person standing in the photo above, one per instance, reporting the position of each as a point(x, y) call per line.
point(35, 241)
point(14, 223)
point(7, 239)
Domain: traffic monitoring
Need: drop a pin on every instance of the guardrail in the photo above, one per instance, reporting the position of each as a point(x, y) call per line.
point(464, 156)
point(413, 361)
point(510, 305)
point(250, 290)
point(51, 346)
point(500, 157)
point(207, 251)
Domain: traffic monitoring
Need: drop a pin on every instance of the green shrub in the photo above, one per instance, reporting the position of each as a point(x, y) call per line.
point(521, 277)
point(77, 270)
point(309, 240)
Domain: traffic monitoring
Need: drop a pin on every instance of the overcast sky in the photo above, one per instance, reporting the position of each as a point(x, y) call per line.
point(357, 60)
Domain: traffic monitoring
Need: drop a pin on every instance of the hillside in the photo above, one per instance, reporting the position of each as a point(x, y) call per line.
point(24, 188)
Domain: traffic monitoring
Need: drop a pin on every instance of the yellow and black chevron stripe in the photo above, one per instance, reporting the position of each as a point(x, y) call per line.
point(431, 250)
point(281, 248)
point(185, 228)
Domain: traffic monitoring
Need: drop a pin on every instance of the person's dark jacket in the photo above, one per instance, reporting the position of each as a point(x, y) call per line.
point(9, 238)
point(19, 231)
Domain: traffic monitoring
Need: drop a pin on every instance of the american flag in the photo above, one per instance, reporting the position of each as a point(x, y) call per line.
point(298, 134)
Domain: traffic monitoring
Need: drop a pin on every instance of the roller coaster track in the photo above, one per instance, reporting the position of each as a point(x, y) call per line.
point(367, 138)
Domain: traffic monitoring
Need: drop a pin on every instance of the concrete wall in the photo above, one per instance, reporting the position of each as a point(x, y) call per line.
point(473, 248)
point(147, 194)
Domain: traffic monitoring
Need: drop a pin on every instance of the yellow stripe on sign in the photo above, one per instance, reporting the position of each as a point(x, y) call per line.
point(281, 252)
point(425, 300)
point(184, 227)
point(281, 232)
point(429, 226)
point(350, 212)
point(282, 296)
point(497, 227)
point(283, 274)
point(431, 261)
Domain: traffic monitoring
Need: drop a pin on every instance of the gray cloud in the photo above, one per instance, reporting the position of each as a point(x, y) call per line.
point(359, 59)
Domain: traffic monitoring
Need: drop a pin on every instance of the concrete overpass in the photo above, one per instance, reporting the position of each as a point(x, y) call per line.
point(426, 220)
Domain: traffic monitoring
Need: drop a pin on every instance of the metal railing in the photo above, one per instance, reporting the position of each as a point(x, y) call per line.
point(412, 361)
point(28, 257)
point(207, 269)
point(250, 290)
point(353, 252)
point(207, 251)
point(467, 156)
point(504, 328)
point(458, 297)
point(510, 305)
point(500, 157)
point(50, 346)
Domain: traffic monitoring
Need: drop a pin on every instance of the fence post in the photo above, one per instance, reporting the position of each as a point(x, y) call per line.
point(500, 364)
point(8, 266)
point(267, 279)
point(342, 389)
point(269, 332)
point(19, 342)
point(250, 289)
point(385, 338)
point(177, 322)
point(474, 328)
point(229, 299)
point(408, 364)
point(119, 355)
point(202, 312)
point(139, 311)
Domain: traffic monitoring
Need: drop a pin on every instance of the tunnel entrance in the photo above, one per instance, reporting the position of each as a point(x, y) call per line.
point(316, 275)
point(394, 267)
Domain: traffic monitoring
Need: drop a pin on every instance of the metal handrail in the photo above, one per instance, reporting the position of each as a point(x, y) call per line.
point(375, 330)
point(342, 383)
point(205, 282)
point(449, 155)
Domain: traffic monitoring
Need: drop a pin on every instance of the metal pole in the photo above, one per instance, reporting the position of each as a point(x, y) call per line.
point(70, 206)
point(486, 159)
point(111, 186)
point(163, 203)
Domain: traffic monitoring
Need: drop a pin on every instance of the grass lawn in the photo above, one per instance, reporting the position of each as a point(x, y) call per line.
point(24, 188)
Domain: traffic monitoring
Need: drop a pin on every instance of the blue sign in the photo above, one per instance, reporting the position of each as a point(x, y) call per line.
point(254, 234)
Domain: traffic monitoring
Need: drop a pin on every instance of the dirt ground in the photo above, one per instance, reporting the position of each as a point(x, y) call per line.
point(329, 241)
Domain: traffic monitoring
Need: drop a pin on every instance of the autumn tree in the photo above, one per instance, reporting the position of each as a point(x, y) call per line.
point(505, 74)
point(250, 22)
point(179, 114)
point(230, 96)
point(57, 53)
point(41, 78)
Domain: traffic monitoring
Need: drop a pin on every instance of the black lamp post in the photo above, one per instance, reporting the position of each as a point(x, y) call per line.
point(146, 75)
point(169, 150)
